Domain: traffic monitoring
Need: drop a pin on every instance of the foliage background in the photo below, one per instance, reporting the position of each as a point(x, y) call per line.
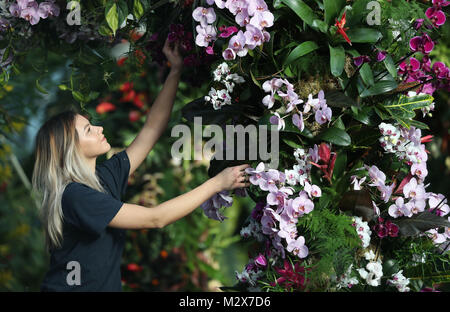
point(194, 253)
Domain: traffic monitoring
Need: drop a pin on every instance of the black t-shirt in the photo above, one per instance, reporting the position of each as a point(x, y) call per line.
point(90, 256)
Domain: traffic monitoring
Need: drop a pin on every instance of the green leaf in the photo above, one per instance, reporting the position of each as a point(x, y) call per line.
point(337, 60)
point(302, 10)
point(390, 66)
point(122, 11)
point(138, 9)
point(292, 142)
point(40, 88)
point(112, 16)
point(404, 109)
point(338, 99)
point(254, 79)
point(332, 9)
point(336, 136)
point(365, 115)
point(359, 203)
point(302, 49)
point(320, 25)
point(340, 165)
point(380, 87)
point(365, 71)
point(364, 35)
point(63, 87)
point(78, 96)
point(420, 223)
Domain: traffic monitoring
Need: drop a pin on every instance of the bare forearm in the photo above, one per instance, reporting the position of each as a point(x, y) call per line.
point(180, 206)
point(159, 114)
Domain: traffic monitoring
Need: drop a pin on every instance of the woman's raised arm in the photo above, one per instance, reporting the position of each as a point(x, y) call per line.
point(159, 114)
point(132, 216)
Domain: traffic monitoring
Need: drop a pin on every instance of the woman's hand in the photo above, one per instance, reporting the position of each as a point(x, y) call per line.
point(232, 177)
point(173, 55)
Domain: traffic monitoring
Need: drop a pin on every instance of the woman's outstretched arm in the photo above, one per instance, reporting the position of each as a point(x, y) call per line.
point(159, 114)
point(132, 216)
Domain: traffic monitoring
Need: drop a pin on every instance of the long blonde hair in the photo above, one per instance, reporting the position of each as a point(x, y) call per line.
point(58, 162)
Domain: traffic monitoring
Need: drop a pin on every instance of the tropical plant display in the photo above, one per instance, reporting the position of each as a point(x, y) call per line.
point(348, 86)
point(348, 207)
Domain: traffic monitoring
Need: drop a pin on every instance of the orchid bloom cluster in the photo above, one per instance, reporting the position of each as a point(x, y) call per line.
point(318, 106)
point(410, 197)
point(222, 97)
point(399, 281)
point(222, 199)
point(431, 77)
point(251, 14)
point(373, 271)
point(31, 11)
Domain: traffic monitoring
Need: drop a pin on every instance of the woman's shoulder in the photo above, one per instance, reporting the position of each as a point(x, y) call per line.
point(74, 190)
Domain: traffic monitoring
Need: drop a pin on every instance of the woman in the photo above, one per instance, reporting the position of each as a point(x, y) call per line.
point(83, 216)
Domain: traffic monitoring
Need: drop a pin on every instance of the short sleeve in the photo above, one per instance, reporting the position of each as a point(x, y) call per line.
point(87, 209)
point(114, 172)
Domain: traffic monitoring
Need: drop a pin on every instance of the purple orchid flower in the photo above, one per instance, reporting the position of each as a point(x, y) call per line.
point(409, 69)
point(418, 23)
point(323, 114)
point(298, 248)
point(381, 55)
point(279, 197)
point(440, 70)
point(437, 17)
point(422, 44)
point(260, 260)
point(359, 60)
point(297, 120)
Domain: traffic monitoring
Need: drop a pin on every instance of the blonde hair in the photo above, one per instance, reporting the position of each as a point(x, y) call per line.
point(58, 162)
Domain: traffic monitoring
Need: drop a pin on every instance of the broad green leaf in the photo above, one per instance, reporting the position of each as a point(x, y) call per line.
point(112, 16)
point(364, 35)
point(339, 165)
point(332, 9)
point(338, 99)
point(359, 203)
point(122, 11)
point(302, 49)
point(365, 115)
point(320, 26)
point(390, 66)
point(302, 10)
point(138, 9)
point(420, 223)
point(336, 136)
point(337, 60)
point(380, 87)
point(63, 87)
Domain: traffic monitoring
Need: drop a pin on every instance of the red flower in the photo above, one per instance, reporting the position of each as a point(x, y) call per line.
point(134, 116)
point(139, 100)
point(126, 86)
point(105, 107)
point(121, 60)
point(427, 138)
point(340, 28)
point(328, 159)
point(291, 276)
point(128, 96)
point(133, 267)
